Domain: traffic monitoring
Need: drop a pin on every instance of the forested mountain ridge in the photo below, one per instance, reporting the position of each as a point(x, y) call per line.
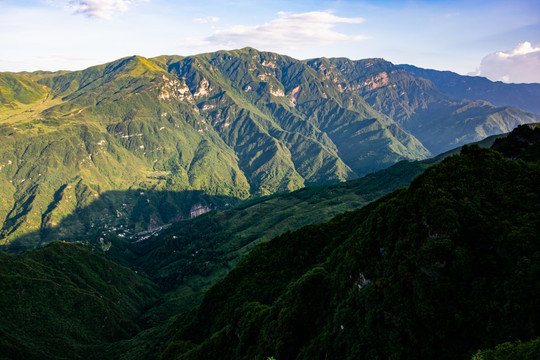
point(408, 275)
point(441, 270)
point(62, 302)
point(209, 130)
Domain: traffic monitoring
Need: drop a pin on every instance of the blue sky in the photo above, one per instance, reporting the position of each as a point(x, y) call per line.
point(497, 39)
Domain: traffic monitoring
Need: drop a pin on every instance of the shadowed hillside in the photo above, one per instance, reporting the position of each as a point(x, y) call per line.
point(439, 270)
point(469, 220)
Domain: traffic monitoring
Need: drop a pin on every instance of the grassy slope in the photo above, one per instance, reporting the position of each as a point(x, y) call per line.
point(18, 91)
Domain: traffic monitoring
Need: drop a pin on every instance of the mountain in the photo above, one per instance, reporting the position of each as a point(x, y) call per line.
point(441, 122)
point(61, 301)
point(191, 134)
point(188, 256)
point(523, 96)
point(364, 271)
point(441, 270)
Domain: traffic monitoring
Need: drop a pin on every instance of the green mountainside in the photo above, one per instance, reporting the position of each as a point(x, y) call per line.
point(18, 90)
point(60, 302)
point(418, 106)
point(523, 96)
point(462, 236)
point(440, 270)
point(207, 131)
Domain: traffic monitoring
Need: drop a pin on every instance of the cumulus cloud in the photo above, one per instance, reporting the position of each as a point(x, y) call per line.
point(206, 20)
point(103, 9)
point(288, 30)
point(519, 65)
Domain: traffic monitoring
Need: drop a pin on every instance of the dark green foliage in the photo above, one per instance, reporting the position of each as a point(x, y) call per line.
point(439, 270)
point(63, 302)
point(518, 350)
point(521, 143)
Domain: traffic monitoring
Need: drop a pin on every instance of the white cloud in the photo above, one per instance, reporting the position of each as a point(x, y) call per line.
point(206, 20)
point(287, 31)
point(103, 9)
point(519, 65)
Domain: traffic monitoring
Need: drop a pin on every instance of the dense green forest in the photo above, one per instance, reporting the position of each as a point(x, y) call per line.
point(63, 302)
point(446, 268)
point(443, 269)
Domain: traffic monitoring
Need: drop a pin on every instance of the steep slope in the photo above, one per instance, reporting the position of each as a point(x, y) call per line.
point(215, 128)
point(285, 100)
point(62, 302)
point(523, 96)
point(440, 122)
point(276, 302)
point(439, 270)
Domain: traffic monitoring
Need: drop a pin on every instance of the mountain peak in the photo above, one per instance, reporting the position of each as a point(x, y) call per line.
point(135, 66)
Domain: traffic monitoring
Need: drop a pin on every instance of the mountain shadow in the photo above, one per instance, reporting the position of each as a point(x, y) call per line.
point(122, 214)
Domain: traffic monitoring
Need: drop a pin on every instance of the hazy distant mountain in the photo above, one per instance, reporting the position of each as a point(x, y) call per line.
point(179, 131)
point(523, 96)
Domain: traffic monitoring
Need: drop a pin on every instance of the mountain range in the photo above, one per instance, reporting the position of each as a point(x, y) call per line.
point(446, 268)
point(523, 96)
point(153, 141)
point(247, 205)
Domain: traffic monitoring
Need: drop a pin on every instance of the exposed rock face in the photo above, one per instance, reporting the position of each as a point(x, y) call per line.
point(197, 210)
point(377, 81)
point(277, 92)
point(294, 95)
point(203, 89)
point(174, 89)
